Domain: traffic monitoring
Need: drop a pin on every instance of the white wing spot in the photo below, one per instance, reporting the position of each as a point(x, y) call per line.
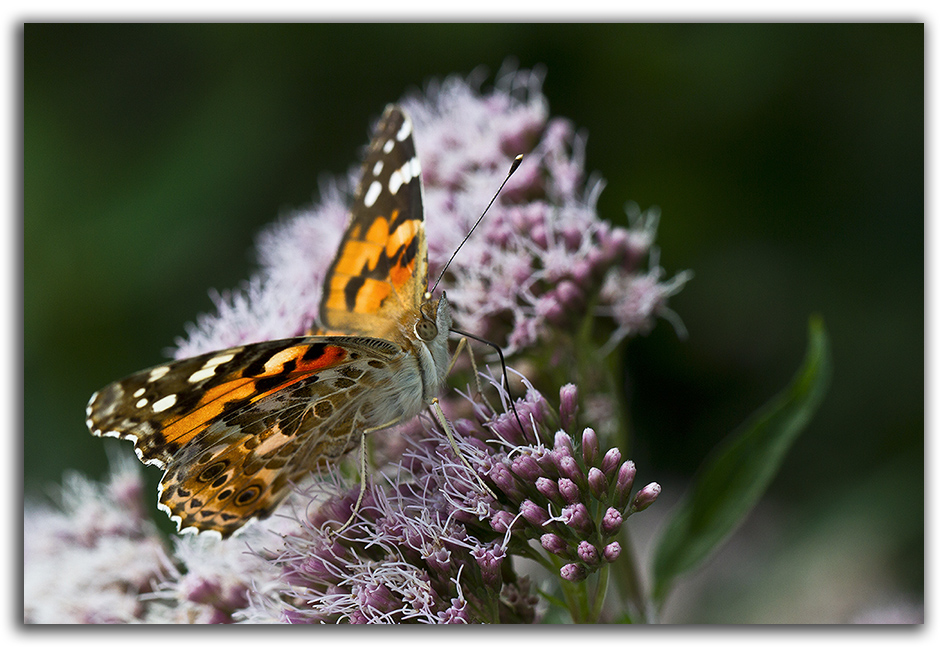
point(377, 169)
point(201, 374)
point(388, 146)
point(396, 181)
point(164, 403)
point(404, 131)
point(157, 373)
point(372, 193)
point(404, 174)
point(141, 403)
point(139, 392)
point(217, 360)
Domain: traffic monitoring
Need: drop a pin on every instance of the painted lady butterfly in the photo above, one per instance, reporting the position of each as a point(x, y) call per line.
point(234, 429)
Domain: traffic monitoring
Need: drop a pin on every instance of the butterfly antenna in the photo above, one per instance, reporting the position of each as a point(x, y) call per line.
point(513, 167)
point(503, 368)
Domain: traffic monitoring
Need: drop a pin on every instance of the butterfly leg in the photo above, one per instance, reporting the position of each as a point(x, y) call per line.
point(363, 475)
point(457, 353)
point(443, 421)
point(478, 387)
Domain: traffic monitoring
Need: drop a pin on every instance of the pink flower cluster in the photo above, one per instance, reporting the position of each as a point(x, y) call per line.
point(430, 536)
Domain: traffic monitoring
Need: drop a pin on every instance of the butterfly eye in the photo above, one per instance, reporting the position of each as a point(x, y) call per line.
point(426, 330)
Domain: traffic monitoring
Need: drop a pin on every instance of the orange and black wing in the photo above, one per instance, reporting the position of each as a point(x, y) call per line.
point(234, 429)
point(381, 269)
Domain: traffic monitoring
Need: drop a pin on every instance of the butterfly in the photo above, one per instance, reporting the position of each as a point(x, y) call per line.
point(235, 429)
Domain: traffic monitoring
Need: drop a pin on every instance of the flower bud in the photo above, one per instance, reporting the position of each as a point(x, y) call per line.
point(377, 596)
point(550, 309)
point(561, 440)
point(573, 572)
point(573, 237)
point(624, 484)
point(611, 552)
point(570, 469)
point(526, 467)
point(505, 481)
point(569, 404)
point(645, 497)
point(547, 487)
point(533, 513)
point(597, 483)
point(590, 446)
point(199, 589)
point(584, 272)
point(577, 517)
point(538, 236)
point(501, 520)
point(553, 543)
point(613, 243)
point(466, 428)
point(568, 489)
point(610, 461)
point(457, 613)
point(547, 461)
point(587, 553)
point(569, 294)
point(505, 425)
point(611, 522)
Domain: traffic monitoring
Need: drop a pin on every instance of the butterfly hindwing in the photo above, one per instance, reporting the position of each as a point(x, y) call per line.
point(233, 428)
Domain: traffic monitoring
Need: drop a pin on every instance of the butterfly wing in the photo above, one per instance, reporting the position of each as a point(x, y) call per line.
point(381, 269)
point(234, 429)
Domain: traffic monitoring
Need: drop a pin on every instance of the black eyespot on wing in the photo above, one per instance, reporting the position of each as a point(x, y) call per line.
point(212, 471)
point(248, 495)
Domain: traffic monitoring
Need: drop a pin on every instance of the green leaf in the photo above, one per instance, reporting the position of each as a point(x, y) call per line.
point(736, 474)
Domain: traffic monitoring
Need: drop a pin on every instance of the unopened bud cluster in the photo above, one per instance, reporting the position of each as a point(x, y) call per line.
point(566, 493)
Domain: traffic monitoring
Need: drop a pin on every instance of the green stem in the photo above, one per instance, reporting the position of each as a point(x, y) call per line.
point(602, 586)
point(630, 582)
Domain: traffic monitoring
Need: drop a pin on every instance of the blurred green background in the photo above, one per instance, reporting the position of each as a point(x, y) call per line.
point(787, 160)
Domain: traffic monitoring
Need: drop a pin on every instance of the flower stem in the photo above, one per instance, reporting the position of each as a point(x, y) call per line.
point(630, 582)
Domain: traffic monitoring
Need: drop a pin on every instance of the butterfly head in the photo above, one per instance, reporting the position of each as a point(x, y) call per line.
point(434, 319)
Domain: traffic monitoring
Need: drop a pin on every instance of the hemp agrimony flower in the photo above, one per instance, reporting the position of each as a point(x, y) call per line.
point(428, 542)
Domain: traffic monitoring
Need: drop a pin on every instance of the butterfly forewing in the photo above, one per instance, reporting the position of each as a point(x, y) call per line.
point(381, 269)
